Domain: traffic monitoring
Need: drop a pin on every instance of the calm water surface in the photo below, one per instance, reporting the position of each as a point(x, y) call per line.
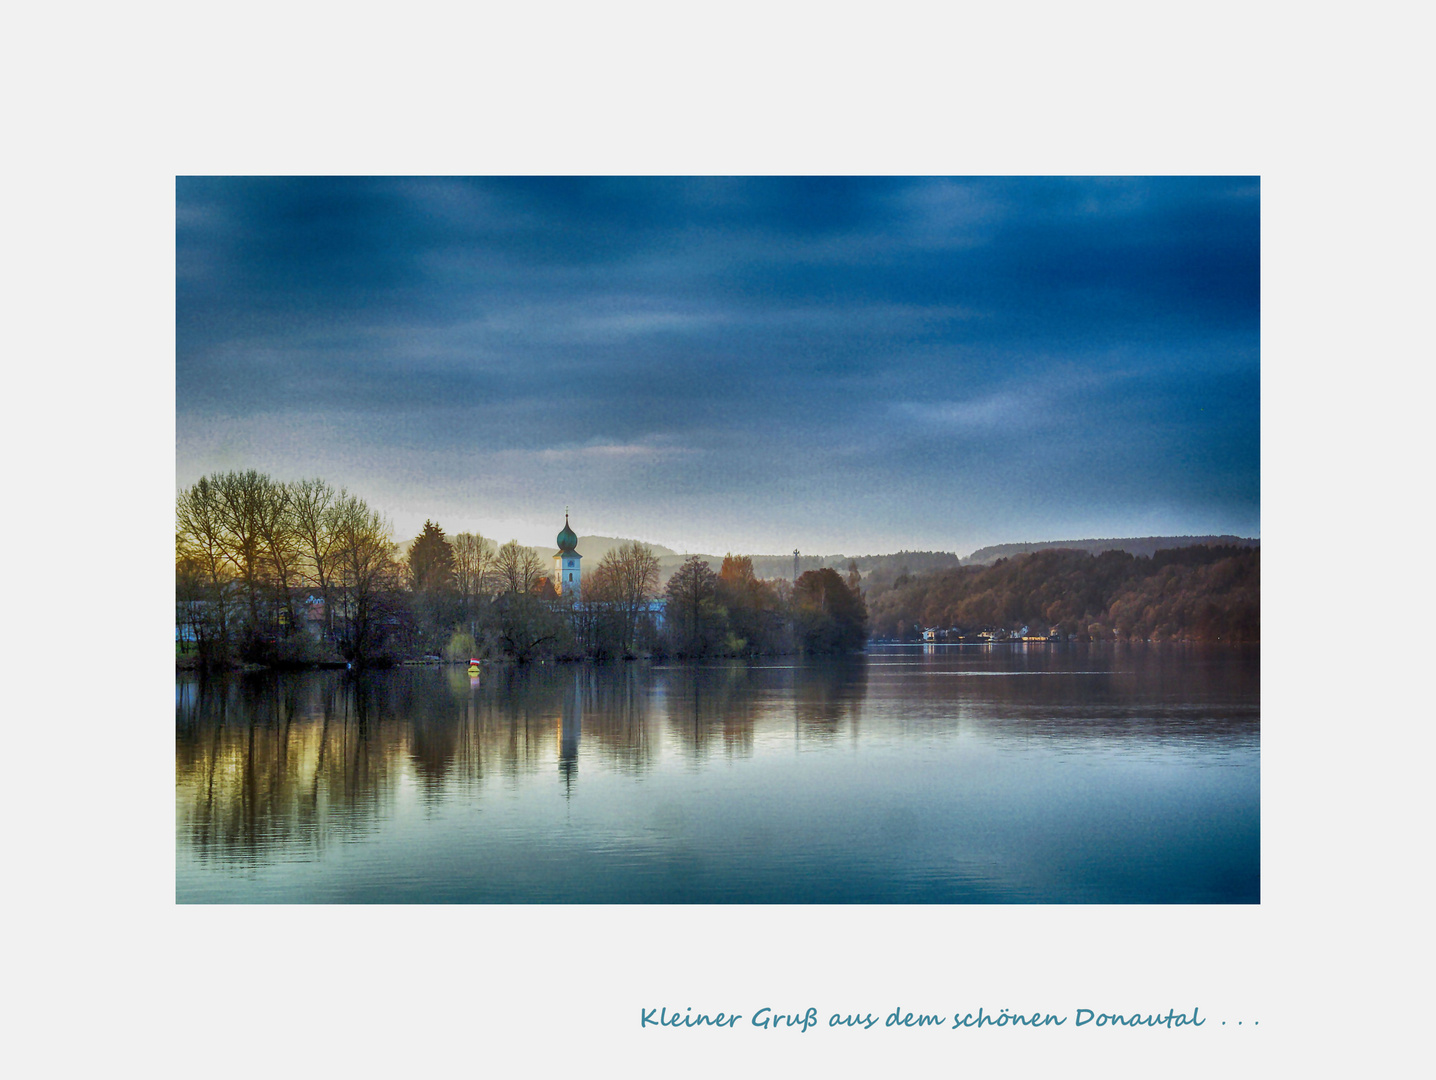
point(937, 774)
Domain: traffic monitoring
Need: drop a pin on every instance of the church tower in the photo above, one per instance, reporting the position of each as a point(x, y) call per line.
point(566, 573)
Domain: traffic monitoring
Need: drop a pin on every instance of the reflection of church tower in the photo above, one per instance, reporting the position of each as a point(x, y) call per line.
point(570, 728)
point(565, 562)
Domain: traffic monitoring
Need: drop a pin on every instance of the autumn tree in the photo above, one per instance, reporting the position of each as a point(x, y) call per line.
point(754, 610)
point(830, 617)
point(737, 570)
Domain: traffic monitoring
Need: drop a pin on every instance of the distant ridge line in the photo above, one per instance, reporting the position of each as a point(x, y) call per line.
point(593, 548)
point(1136, 545)
point(781, 566)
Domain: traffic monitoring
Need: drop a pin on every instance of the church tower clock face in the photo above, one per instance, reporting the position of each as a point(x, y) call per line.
point(567, 574)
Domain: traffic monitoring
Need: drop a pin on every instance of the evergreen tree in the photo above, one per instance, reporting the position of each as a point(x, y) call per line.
point(433, 586)
point(431, 561)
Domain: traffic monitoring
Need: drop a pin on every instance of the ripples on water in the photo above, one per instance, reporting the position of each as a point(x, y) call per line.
point(939, 774)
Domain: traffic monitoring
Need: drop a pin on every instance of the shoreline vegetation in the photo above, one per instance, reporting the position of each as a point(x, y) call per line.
point(276, 574)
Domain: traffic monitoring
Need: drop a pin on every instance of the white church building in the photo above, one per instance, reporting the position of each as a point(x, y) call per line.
point(567, 575)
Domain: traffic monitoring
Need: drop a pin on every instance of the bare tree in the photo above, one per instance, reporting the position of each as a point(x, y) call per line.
point(525, 622)
point(474, 574)
point(200, 540)
point(473, 565)
point(312, 506)
point(281, 544)
point(532, 566)
point(627, 580)
point(365, 570)
point(203, 575)
point(242, 506)
point(518, 568)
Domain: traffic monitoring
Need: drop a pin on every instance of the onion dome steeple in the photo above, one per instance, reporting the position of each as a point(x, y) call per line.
point(567, 576)
point(567, 539)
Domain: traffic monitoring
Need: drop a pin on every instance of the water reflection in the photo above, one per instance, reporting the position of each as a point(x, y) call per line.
point(293, 769)
point(828, 698)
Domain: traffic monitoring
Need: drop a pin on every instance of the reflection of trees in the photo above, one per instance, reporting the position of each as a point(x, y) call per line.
point(265, 762)
point(828, 696)
point(714, 703)
point(436, 728)
point(616, 715)
point(279, 764)
point(735, 705)
point(1168, 693)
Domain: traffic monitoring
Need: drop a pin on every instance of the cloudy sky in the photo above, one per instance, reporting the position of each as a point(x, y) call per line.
point(836, 365)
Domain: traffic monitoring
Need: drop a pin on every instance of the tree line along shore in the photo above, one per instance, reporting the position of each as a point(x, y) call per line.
point(300, 573)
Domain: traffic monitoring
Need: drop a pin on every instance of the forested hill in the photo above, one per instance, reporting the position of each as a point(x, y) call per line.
point(1206, 593)
point(871, 567)
point(781, 566)
point(594, 548)
point(1140, 545)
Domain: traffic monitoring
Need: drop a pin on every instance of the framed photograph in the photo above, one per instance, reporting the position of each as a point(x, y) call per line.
point(718, 540)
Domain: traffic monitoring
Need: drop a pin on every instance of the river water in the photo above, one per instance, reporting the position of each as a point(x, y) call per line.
point(912, 774)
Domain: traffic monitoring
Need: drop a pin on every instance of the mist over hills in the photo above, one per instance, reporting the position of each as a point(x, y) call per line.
point(594, 548)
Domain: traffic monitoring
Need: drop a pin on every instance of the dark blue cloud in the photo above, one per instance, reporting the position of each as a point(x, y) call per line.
point(1048, 351)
